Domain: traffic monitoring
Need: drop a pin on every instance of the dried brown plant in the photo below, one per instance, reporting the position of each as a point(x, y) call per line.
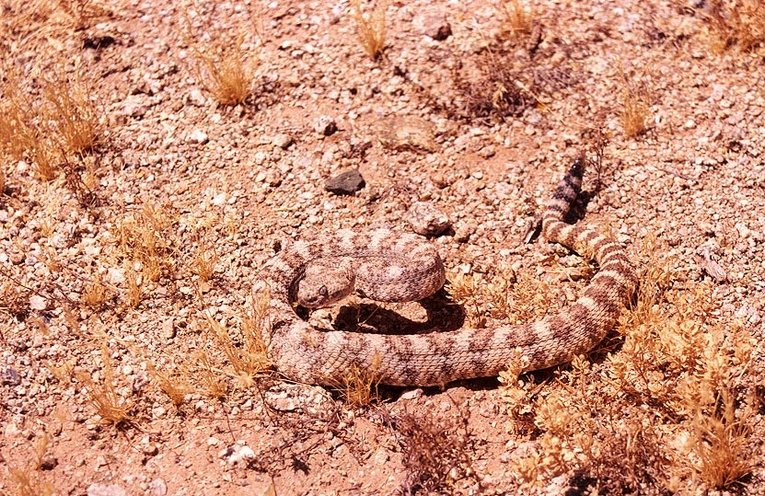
point(739, 23)
point(360, 387)
point(634, 114)
point(110, 406)
point(52, 131)
point(518, 19)
point(371, 28)
point(678, 374)
point(223, 68)
point(204, 262)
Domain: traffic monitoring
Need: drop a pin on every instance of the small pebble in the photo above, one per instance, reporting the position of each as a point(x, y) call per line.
point(427, 220)
point(282, 141)
point(198, 136)
point(345, 183)
point(325, 125)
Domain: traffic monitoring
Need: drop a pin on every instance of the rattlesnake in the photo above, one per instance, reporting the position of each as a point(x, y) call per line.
point(408, 268)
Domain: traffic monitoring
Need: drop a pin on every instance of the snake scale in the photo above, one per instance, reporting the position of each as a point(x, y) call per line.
point(391, 266)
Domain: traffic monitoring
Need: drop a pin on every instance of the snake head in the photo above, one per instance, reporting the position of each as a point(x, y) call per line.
point(313, 299)
point(322, 285)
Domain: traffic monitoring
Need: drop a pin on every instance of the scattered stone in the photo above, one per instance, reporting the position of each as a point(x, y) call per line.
point(196, 98)
point(116, 275)
point(37, 302)
point(325, 125)
point(158, 487)
point(135, 106)
point(168, 328)
point(406, 133)
point(198, 136)
point(427, 220)
point(49, 462)
point(106, 490)
point(237, 454)
point(432, 23)
point(11, 430)
point(282, 141)
point(10, 377)
point(345, 183)
point(412, 394)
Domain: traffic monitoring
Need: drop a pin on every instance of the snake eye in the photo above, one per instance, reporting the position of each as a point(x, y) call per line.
point(324, 292)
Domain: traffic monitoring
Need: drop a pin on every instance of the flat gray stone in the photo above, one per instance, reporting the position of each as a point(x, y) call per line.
point(345, 183)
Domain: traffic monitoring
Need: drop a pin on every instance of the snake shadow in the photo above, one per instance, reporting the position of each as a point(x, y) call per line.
point(442, 315)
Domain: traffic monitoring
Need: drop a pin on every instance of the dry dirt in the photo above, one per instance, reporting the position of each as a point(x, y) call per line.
point(119, 380)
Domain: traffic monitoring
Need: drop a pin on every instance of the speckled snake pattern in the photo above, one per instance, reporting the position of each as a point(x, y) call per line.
point(305, 354)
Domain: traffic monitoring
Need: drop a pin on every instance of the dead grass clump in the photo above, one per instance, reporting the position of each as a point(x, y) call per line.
point(70, 115)
point(224, 72)
point(29, 483)
point(371, 28)
point(210, 377)
point(175, 387)
point(518, 20)
point(499, 91)
point(360, 387)
point(204, 262)
point(249, 359)
point(53, 132)
point(436, 454)
point(512, 298)
point(223, 67)
point(83, 13)
point(738, 23)
point(109, 405)
point(669, 408)
point(635, 113)
point(29, 480)
point(145, 241)
point(720, 439)
point(95, 294)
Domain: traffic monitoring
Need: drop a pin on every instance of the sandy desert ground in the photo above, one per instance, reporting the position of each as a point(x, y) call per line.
point(155, 155)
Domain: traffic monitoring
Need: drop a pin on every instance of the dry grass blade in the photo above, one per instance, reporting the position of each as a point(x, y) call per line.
point(738, 23)
point(226, 76)
point(434, 452)
point(29, 483)
point(634, 115)
point(721, 442)
point(222, 67)
point(204, 262)
point(176, 390)
point(371, 28)
point(94, 294)
point(248, 360)
point(635, 111)
point(71, 115)
point(112, 408)
point(64, 124)
point(518, 20)
point(83, 13)
point(359, 387)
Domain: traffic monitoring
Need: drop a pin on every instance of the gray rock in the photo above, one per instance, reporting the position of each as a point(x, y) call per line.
point(282, 141)
point(325, 125)
point(135, 106)
point(106, 490)
point(10, 377)
point(158, 487)
point(198, 136)
point(427, 220)
point(196, 98)
point(345, 183)
point(432, 23)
